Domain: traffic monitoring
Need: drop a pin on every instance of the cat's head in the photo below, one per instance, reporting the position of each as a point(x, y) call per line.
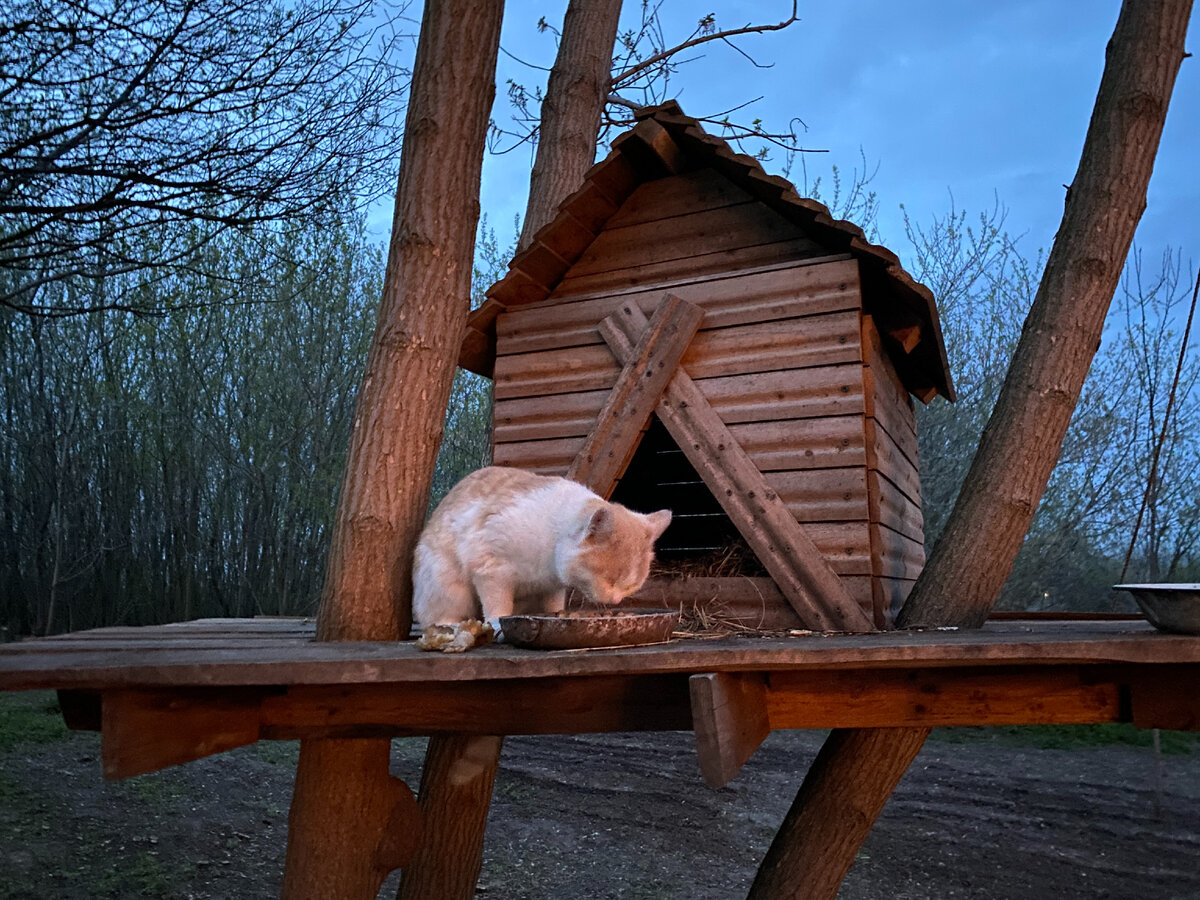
point(615, 550)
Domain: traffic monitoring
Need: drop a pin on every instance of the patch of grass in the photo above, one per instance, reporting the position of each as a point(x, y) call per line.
point(284, 754)
point(30, 717)
point(1070, 737)
point(140, 875)
point(161, 791)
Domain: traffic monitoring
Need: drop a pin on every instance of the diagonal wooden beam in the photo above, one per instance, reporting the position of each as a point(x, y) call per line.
point(781, 544)
point(631, 402)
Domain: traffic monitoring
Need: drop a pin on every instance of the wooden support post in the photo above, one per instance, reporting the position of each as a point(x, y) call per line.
point(781, 544)
point(840, 799)
point(729, 713)
point(144, 731)
point(1168, 697)
point(631, 402)
point(373, 813)
point(456, 790)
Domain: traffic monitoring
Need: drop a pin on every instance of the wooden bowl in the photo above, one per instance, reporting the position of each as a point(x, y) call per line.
point(589, 628)
point(1168, 607)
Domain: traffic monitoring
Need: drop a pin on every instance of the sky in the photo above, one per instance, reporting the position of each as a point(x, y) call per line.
point(958, 104)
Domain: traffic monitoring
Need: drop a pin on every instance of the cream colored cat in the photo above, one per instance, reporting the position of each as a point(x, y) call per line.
point(505, 540)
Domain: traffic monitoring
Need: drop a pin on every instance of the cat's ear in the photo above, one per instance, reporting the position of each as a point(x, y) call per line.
point(658, 522)
point(600, 525)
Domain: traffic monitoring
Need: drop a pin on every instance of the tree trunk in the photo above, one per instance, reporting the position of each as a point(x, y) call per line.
point(570, 119)
point(1023, 438)
point(410, 367)
point(350, 831)
point(397, 427)
point(846, 788)
point(455, 808)
point(456, 791)
point(1021, 443)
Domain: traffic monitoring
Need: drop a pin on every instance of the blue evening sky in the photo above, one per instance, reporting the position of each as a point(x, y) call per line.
point(956, 102)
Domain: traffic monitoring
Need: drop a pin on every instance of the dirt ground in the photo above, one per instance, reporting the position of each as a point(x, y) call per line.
point(980, 814)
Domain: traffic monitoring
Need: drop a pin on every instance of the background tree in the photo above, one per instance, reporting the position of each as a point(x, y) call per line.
point(1020, 444)
point(133, 133)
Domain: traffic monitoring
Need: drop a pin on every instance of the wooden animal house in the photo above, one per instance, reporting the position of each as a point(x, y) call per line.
point(690, 333)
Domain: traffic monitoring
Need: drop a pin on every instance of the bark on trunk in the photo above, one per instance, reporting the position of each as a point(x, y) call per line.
point(1023, 437)
point(570, 119)
point(333, 851)
point(842, 795)
point(456, 791)
point(1022, 441)
point(426, 296)
point(350, 831)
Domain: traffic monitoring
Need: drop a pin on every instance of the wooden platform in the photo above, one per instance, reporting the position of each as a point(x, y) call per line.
point(167, 694)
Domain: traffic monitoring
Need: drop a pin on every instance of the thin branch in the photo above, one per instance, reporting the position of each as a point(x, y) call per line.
point(629, 73)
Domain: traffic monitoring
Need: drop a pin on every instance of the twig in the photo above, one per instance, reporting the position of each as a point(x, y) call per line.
point(1162, 436)
point(694, 42)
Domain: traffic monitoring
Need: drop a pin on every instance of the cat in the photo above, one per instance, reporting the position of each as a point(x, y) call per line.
point(505, 540)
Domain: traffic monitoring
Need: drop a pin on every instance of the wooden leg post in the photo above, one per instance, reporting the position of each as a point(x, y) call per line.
point(840, 799)
point(370, 817)
point(455, 793)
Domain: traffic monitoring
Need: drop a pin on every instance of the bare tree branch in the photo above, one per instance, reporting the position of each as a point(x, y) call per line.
point(130, 130)
point(626, 75)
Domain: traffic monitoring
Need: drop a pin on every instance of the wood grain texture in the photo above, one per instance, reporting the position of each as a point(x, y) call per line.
point(719, 230)
point(790, 556)
point(892, 508)
point(625, 413)
point(350, 822)
point(829, 339)
point(790, 444)
point(795, 289)
point(455, 793)
point(67, 662)
point(761, 397)
point(676, 195)
point(717, 262)
point(144, 731)
point(502, 706)
point(729, 714)
point(833, 811)
point(372, 813)
point(569, 116)
point(941, 697)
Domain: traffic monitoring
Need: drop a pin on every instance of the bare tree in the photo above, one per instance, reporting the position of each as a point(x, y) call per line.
point(643, 61)
point(132, 132)
point(1020, 444)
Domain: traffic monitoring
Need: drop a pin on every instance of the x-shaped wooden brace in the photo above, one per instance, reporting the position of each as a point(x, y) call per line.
point(652, 381)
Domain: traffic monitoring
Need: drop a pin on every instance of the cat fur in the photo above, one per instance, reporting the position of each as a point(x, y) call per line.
point(505, 540)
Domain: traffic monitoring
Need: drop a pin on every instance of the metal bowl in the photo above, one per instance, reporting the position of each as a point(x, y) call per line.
point(1169, 607)
point(589, 628)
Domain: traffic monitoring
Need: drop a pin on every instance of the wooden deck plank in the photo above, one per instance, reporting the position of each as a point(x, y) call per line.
point(301, 661)
point(926, 698)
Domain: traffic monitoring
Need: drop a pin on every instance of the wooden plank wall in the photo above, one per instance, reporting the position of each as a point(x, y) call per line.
point(893, 480)
point(780, 356)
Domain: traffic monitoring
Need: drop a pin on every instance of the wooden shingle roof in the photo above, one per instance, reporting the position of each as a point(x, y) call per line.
point(664, 142)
